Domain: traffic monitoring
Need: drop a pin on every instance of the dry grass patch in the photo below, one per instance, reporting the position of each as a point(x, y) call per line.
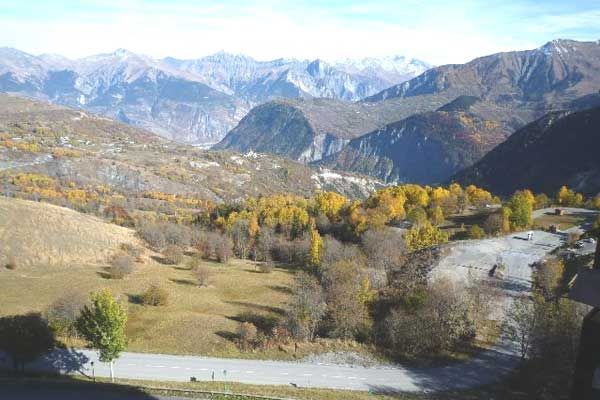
point(196, 320)
point(44, 234)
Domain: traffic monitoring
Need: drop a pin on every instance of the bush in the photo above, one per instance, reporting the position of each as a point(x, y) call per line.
point(204, 245)
point(266, 268)
point(63, 313)
point(202, 274)
point(476, 232)
point(132, 250)
point(223, 248)
point(493, 224)
point(193, 263)
point(153, 234)
point(436, 323)
point(173, 255)
point(11, 264)
point(155, 296)
point(247, 334)
point(121, 265)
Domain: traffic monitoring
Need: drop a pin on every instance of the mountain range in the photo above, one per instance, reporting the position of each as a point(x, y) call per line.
point(432, 126)
point(194, 101)
point(561, 148)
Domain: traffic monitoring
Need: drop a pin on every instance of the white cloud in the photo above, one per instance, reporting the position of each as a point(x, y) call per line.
point(263, 31)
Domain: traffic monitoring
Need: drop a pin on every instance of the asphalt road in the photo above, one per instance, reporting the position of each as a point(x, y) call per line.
point(485, 368)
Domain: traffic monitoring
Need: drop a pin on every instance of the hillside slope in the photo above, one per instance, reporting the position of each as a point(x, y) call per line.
point(44, 234)
point(309, 129)
point(424, 148)
point(195, 101)
point(559, 149)
point(73, 146)
point(510, 89)
point(559, 70)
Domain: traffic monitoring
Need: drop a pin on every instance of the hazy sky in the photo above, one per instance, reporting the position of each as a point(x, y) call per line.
point(436, 31)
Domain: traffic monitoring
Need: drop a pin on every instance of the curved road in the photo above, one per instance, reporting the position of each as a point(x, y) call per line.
point(485, 368)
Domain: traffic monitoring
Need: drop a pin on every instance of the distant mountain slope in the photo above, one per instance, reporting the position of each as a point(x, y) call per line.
point(561, 148)
point(307, 130)
point(509, 89)
point(559, 70)
point(423, 148)
point(127, 87)
point(259, 81)
point(196, 101)
point(74, 146)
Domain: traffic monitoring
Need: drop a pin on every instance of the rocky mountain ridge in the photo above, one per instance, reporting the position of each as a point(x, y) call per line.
point(194, 101)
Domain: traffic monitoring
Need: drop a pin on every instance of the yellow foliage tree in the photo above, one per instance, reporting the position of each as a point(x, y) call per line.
point(316, 247)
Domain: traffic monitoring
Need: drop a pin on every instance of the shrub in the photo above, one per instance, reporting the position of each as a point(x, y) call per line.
point(202, 274)
point(132, 250)
point(121, 265)
point(247, 334)
point(438, 323)
point(63, 313)
point(572, 237)
point(266, 267)
point(153, 234)
point(11, 263)
point(204, 245)
point(476, 232)
point(193, 263)
point(155, 296)
point(223, 248)
point(173, 255)
point(493, 224)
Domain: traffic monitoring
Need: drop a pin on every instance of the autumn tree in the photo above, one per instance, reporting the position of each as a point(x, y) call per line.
point(520, 324)
point(419, 237)
point(316, 248)
point(347, 315)
point(521, 209)
point(102, 324)
point(384, 249)
point(476, 232)
point(307, 307)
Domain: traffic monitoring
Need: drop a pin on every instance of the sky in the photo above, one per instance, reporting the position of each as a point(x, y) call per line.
point(439, 32)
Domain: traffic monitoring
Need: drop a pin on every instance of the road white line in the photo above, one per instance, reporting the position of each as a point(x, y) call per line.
point(284, 373)
point(306, 374)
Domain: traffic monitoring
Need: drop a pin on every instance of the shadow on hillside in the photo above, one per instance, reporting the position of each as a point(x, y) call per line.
point(263, 323)
point(186, 282)
point(105, 273)
point(281, 289)
point(257, 307)
point(134, 298)
point(161, 260)
point(232, 337)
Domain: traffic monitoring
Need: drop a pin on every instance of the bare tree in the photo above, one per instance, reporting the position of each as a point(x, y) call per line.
point(520, 324)
point(307, 307)
point(202, 274)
